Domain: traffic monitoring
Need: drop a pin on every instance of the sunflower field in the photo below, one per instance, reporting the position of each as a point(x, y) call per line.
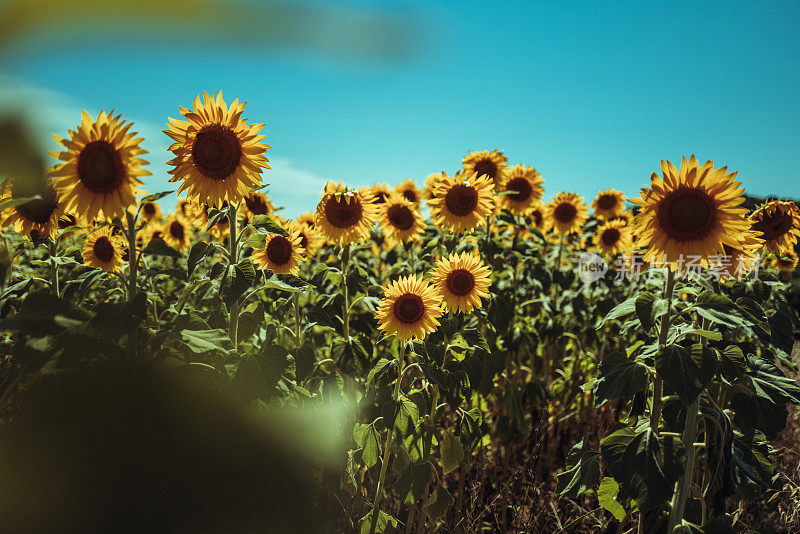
point(463, 356)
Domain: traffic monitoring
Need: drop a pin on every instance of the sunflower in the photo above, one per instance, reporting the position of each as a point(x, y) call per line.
point(380, 193)
point(566, 213)
point(218, 155)
point(737, 262)
point(409, 308)
point(608, 204)
point(614, 237)
point(486, 163)
point(345, 215)
point(40, 216)
point(462, 202)
point(101, 167)
point(626, 217)
point(778, 223)
point(537, 215)
point(461, 281)
point(185, 208)
point(176, 232)
point(785, 261)
point(408, 189)
point(103, 250)
point(690, 213)
point(400, 220)
point(524, 186)
point(147, 234)
point(151, 212)
point(309, 240)
point(255, 203)
point(308, 219)
point(432, 183)
point(280, 254)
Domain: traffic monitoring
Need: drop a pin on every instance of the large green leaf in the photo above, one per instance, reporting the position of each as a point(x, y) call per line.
point(619, 377)
point(769, 382)
point(259, 373)
point(645, 305)
point(42, 314)
point(452, 452)
point(438, 503)
point(582, 472)
point(413, 481)
point(607, 498)
point(620, 310)
point(682, 373)
point(751, 412)
point(368, 439)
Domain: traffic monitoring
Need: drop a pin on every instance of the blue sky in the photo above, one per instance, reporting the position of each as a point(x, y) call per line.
point(591, 94)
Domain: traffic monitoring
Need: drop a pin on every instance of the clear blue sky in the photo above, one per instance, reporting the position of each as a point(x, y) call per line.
point(591, 94)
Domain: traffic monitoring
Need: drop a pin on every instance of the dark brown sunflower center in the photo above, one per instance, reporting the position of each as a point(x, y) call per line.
point(409, 308)
point(610, 237)
point(39, 211)
point(687, 214)
point(521, 188)
point(103, 249)
point(279, 250)
point(400, 217)
point(303, 240)
point(343, 214)
point(607, 202)
point(487, 167)
point(410, 195)
point(67, 220)
point(538, 218)
point(461, 200)
point(774, 226)
point(381, 197)
point(100, 167)
point(149, 210)
point(565, 213)
point(176, 230)
point(216, 152)
point(256, 204)
point(460, 282)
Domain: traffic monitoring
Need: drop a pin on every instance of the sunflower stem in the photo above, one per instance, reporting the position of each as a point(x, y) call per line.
point(133, 265)
point(53, 251)
point(233, 326)
point(389, 442)
point(345, 257)
point(658, 383)
point(297, 332)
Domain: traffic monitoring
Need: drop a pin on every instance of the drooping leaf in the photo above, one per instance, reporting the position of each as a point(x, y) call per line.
point(42, 314)
point(368, 439)
point(199, 250)
point(154, 197)
point(265, 224)
point(452, 452)
point(607, 498)
point(620, 310)
point(644, 304)
point(582, 471)
point(619, 377)
point(439, 502)
point(258, 374)
point(680, 372)
point(202, 341)
point(158, 247)
point(384, 523)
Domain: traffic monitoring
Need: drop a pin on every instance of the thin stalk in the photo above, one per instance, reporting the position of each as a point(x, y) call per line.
point(133, 266)
point(389, 442)
point(426, 452)
point(515, 267)
point(297, 332)
point(560, 251)
point(53, 267)
point(658, 383)
point(233, 327)
point(345, 258)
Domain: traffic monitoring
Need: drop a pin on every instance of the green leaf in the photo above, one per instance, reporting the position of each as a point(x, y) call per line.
point(304, 358)
point(582, 472)
point(383, 523)
point(259, 373)
point(263, 223)
point(732, 362)
point(154, 197)
point(202, 341)
point(199, 250)
point(438, 503)
point(413, 481)
point(42, 314)
point(644, 305)
point(14, 202)
point(290, 283)
point(769, 382)
point(620, 310)
point(680, 372)
point(620, 377)
point(368, 439)
point(407, 417)
point(607, 498)
point(751, 412)
point(158, 247)
point(452, 452)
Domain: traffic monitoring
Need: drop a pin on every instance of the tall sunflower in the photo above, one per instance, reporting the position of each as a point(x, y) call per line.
point(690, 213)
point(462, 202)
point(380, 193)
point(255, 203)
point(103, 250)
point(151, 212)
point(614, 238)
point(40, 216)
point(608, 204)
point(486, 163)
point(524, 189)
point(537, 216)
point(309, 240)
point(219, 156)
point(345, 215)
point(177, 232)
point(409, 308)
point(461, 281)
point(101, 168)
point(280, 254)
point(408, 190)
point(566, 214)
point(432, 182)
point(785, 261)
point(737, 262)
point(778, 223)
point(400, 220)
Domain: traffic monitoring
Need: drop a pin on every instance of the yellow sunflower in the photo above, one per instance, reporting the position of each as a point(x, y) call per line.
point(432, 184)
point(309, 240)
point(461, 281)
point(524, 185)
point(308, 219)
point(626, 217)
point(185, 208)
point(566, 214)
point(409, 308)
point(608, 204)
point(737, 262)
point(462, 202)
point(218, 155)
point(614, 237)
point(146, 234)
point(345, 215)
point(151, 212)
point(280, 254)
point(40, 216)
point(408, 190)
point(400, 220)
point(486, 163)
point(255, 203)
point(785, 261)
point(690, 213)
point(537, 216)
point(778, 223)
point(103, 250)
point(380, 193)
point(101, 168)
point(176, 232)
